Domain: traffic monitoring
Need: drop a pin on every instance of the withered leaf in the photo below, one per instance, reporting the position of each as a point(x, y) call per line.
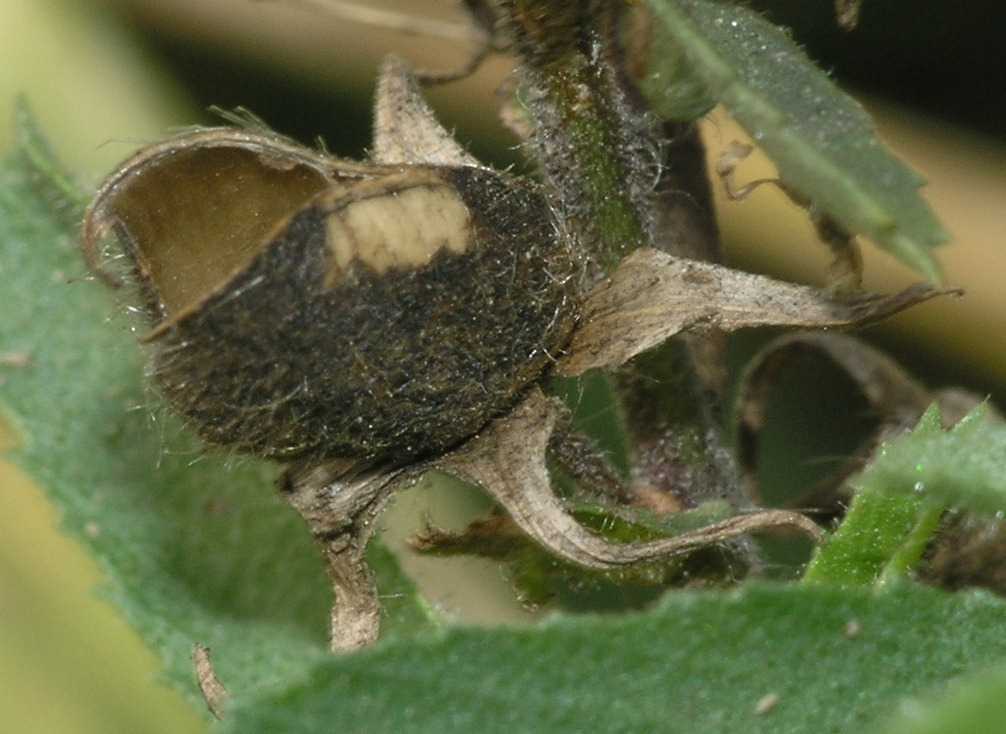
point(887, 387)
point(508, 461)
point(653, 296)
point(895, 399)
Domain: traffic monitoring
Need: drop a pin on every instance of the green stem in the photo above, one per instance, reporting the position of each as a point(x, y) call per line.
point(597, 148)
point(586, 139)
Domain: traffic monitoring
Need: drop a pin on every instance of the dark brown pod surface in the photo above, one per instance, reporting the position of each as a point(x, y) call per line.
point(354, 311)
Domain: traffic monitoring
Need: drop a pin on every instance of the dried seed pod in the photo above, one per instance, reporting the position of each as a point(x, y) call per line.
point(310, 308)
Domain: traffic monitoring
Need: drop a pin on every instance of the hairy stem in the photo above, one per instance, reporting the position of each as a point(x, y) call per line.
point(621, 183)
point(592, 151)
point(340, 506)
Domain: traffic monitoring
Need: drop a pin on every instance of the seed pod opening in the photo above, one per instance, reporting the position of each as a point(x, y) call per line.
point(310, 308)
point(197, 208)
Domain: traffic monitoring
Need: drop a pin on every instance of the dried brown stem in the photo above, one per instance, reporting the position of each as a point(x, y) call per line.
point(341, 509)
point(845, 274)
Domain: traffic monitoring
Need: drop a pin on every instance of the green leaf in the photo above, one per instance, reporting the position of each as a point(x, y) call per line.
point(879, 532)
point(874, 529)
point(699, 663)
point(822, 141)
point(901, 495)
point(977, 704)
point(195, 547)
point(965, 466)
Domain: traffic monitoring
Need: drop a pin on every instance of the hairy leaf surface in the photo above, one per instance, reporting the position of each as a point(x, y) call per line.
point(822, 140)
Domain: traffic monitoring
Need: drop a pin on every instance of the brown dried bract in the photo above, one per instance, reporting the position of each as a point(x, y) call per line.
point(653, 296)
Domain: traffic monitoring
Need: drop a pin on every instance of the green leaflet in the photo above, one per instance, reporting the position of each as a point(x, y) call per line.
point(821, 140)
point(872, 533)
point(965, 466)
point(900, 496)
point(195, 547)
point(698, 664)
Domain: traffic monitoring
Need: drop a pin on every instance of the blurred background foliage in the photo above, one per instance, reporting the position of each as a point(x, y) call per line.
point(105, 76)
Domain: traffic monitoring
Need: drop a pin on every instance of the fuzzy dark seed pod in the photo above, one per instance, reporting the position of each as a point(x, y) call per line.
point(309, 308)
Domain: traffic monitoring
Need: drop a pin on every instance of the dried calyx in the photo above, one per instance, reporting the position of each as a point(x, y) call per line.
point(364, 322)
point(306, 308)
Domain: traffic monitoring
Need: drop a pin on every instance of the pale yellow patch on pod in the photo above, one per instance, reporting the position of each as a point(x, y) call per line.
point(400, 221)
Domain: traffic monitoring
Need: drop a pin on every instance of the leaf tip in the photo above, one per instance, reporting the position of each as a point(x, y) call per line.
point(931, 421)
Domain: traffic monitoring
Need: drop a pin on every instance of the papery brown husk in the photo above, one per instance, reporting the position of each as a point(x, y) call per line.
point(280, 362)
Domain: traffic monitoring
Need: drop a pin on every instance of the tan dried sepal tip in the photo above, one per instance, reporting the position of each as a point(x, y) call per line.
point(653, 296)
point(405, 128)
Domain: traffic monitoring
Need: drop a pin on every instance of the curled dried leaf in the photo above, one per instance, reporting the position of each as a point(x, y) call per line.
point(508, 461)
point(894, 398)
point(896, 401)
point(653, 296)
